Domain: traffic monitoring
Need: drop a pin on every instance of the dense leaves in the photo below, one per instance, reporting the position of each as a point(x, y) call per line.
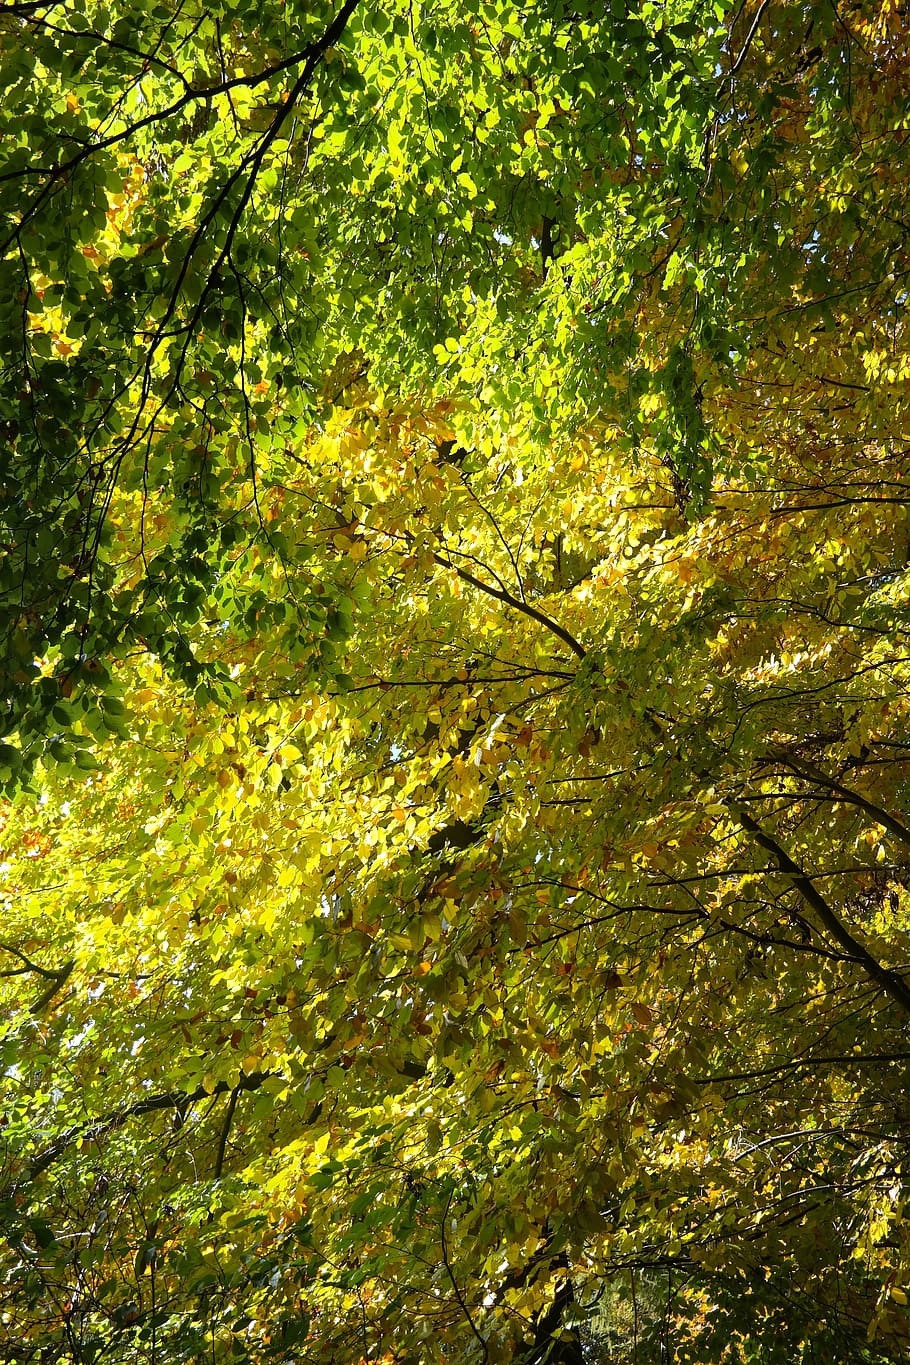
point(456, 870)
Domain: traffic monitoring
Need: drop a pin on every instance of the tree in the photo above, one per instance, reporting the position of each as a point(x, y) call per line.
point(484, 935)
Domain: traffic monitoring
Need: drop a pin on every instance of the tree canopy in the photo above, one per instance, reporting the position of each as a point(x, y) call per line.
point(456, 528)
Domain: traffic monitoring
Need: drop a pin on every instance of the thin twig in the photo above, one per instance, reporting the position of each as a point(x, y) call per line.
point(457, 1291)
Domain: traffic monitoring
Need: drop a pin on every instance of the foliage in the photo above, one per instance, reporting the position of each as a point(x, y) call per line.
point(456, 883)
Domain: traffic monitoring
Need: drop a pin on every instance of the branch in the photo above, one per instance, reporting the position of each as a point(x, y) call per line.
point(548, 1349)
point(59, 979)
point(313, 51)
point(27, 8)
point(251, 163)
point(810, 773)
point(98, 1128)
point(461, 1303)
point(51, 973)
point(883, 1059)
point(57, 976)
point(242, 178)
point(890, 982)
point(228, 1120)
point(744, 50)
point(502, 595)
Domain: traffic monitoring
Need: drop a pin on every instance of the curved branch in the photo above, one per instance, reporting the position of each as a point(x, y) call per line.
point(98, 1128)
point(810, 773)
point(57, 976)
point(50, 973)
point(890, 982)
point(310, 54)
point(516, 603)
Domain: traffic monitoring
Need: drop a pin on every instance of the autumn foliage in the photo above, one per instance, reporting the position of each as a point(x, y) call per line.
point(456, 527)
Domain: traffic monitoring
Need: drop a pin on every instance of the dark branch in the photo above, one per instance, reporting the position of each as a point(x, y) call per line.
point(226, 1128)
point(461, 1303)
point(502, 595)
point(56, 976)
point(889, 981)
point(98, 1128)
point(810, 773)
